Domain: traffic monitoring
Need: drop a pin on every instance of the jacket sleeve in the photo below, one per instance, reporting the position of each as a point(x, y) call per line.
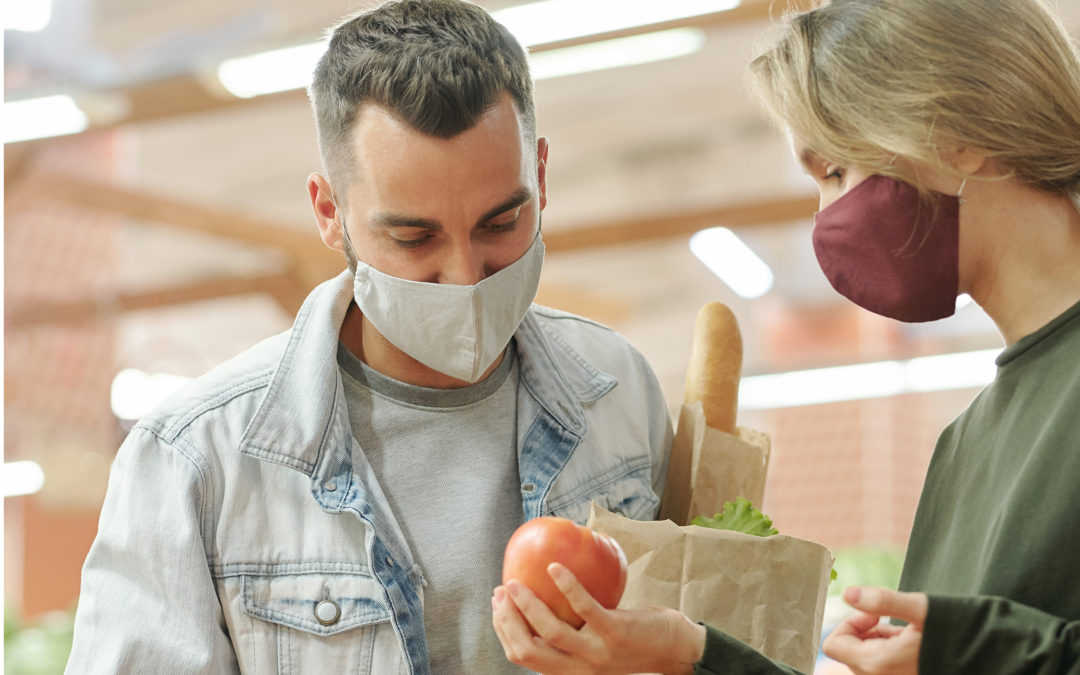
point(725, 654)
point(147, 602)
point(661, 431)
point(984, 634)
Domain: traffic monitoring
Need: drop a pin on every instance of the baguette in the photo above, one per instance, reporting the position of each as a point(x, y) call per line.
point(715, 366)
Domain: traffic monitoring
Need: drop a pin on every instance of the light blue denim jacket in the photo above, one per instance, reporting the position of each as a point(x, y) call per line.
point(244, 502)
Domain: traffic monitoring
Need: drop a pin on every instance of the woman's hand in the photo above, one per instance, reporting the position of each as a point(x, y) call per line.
point(612, 641)
point(872, 648)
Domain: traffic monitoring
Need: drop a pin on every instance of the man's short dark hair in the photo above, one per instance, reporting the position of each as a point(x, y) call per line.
point(436, 64)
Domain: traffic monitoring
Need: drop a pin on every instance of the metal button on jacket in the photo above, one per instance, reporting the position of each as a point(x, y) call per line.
point(327, 612)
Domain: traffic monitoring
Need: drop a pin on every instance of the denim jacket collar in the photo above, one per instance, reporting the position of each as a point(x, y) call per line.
point(294, 421)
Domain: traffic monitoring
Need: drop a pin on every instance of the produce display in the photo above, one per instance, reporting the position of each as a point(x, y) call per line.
point(596, 560)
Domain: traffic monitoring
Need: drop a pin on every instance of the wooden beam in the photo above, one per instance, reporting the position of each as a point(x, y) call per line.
point(662, 226)
point(193, 93)
point(17, 161)
point(159, 209)
point(317, 262)
point(94, 308)
point(313, 261)
point(289, 287)
point(607, 308)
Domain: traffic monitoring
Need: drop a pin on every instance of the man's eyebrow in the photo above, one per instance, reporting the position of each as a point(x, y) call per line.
point(392, 220)
point(389, 220)
point(519, 197)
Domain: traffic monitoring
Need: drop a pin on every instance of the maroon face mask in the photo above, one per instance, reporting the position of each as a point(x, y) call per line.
point(890, 252)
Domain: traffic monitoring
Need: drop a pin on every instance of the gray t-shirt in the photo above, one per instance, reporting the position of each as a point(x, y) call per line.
point(447, 461)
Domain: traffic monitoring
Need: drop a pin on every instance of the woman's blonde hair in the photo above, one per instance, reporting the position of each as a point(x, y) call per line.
point(862, 81)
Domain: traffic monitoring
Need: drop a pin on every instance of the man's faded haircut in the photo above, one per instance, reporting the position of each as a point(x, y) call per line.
point(436, 64)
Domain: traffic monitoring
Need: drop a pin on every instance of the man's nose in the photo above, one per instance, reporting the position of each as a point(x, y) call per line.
point(464, 267)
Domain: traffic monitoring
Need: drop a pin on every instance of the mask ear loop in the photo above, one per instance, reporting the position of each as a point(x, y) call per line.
point(341, 222)
point(960, 192)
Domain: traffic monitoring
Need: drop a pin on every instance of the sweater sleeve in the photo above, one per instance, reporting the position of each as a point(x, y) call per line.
point(725, 654)
point(985, 634)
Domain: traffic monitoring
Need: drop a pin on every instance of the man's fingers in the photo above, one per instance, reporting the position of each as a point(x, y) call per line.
point(910, 607)
point(581, 601)
point(519, 644)
point(509, 625)
point(551, 628)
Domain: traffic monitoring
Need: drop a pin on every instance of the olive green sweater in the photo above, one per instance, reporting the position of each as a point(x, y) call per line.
point(996, 539)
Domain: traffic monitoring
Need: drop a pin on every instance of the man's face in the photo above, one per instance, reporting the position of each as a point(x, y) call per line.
point(450, 211)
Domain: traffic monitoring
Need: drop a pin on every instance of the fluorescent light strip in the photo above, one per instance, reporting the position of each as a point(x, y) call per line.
point(532, 24)
point(27, 16)
point(868, 380)
point(22, 478)
point(271, 72)
point(628, 51)
point(556, 20)
point(733, 261)
point(42, 117)
point(135, 393)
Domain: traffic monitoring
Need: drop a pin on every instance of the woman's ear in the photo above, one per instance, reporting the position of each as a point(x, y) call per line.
point(967, 160)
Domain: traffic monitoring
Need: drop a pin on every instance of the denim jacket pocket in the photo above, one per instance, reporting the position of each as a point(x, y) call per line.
point(625, 490)
point(307, 622)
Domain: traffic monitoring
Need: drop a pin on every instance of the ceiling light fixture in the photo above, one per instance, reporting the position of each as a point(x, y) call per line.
point(271, 72)
point(628, 51)
point(963, 370)
point(135, 393)
point(550, 21)
point(532, 24)
point(733, 261)
point(27, 16)
point(22, 478)
point(42, 117)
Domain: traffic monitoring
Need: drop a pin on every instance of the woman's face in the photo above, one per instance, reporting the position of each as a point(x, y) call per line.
point(834, 180)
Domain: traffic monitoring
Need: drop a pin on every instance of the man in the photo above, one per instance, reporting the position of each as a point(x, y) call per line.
point(339, 496)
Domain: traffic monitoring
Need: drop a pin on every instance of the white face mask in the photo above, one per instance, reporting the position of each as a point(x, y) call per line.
point(456, 330)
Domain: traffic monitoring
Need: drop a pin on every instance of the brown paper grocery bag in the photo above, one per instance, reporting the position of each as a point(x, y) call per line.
point(768, 592)
point(709, 467)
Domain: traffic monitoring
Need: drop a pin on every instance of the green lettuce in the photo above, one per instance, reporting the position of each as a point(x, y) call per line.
point(739, 516)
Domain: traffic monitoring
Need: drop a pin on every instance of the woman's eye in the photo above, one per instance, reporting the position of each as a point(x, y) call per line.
point(834, 173)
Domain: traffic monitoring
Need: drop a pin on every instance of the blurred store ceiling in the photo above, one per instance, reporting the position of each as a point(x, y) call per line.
point(210, 188)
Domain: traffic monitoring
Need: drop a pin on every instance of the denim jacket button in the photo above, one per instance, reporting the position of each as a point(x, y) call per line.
point(527, 487)
point(330, 486)
point(327, 612)
point(389, 561)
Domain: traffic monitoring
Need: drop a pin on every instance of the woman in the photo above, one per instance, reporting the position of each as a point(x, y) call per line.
point(944, 136)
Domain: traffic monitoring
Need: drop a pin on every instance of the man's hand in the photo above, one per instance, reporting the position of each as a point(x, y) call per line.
point(612, 641)
point(869, 647)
